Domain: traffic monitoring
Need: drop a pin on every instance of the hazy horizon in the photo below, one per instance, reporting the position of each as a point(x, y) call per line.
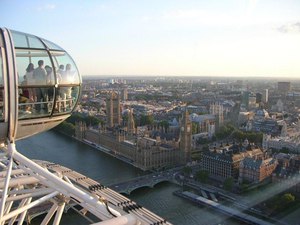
point(192, 76)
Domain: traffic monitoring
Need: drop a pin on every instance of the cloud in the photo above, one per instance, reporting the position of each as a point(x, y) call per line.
point(146, 18)
point(46, 7)
point(290, 28)
point(184, 14)
point(251, 6)
point(203, 17)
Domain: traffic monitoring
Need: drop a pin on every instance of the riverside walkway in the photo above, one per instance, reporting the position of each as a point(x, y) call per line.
point(246, 218)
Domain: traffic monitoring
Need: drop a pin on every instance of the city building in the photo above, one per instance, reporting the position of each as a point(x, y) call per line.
point(80, 128)
point(265, 96)
point(279, 106)
point(252, 101)
point(290, 143)
point(217, 110)
point(244, 117)
point(185, 139)
point(287, 172)
point(284, 87)
point(156, 153)
point(259, 98)
point(143, 152)
point(113, 110)
point(124, 94)
point(205, 123)
point(245, 99)
point(268, 126)
point(224, 161)
point(130, 123)
point(254, 170)
point(259, 120)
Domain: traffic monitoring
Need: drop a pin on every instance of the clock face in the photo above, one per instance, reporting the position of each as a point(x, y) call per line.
point(188, 129)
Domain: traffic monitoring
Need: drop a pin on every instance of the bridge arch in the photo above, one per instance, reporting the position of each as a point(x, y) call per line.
point(150, 184)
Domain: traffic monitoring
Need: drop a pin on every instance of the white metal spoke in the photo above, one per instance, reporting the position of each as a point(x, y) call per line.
point(20, 180)
point(58, 214)
point(6, 185)
point(41, 189)
point(23, 180)
point(3, 165)
point(68, 180)
point(50, 214)
point(22, 216)
point(122, 220)
point(68, 189)
point(20, 197)
point(8, 204)
point(13, 172)
point(32, 204)
point(22, 203)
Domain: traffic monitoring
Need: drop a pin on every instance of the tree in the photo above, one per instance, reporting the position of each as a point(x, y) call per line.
point(202, 176)
point(195, 128)
point(287, 198)
point(92, 120)
point(202, 141)
point(89, 120)
point(187, 170)
point(75, 117)
point(225, 131)
point(254, 137)
point(146, 120)
point(125, 118)
point(279, 202)
point(67, 128)
point(284, 150)
point(239, 135)
point(228, 183)
point(205, 148)
point(165, 125)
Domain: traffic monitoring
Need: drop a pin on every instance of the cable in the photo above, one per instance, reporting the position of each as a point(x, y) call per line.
point(106, 205)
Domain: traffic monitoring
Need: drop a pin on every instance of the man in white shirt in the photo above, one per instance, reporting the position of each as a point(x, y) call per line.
point(40, 76)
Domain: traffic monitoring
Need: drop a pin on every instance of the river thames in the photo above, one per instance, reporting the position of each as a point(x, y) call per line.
point(55, 147)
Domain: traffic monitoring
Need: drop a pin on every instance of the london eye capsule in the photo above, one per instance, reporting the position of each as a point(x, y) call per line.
point(39, 85)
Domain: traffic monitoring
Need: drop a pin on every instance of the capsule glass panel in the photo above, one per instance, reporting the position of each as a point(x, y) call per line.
point(49, 82)
point(67, 73)
point(1, 69)
point(66, 100)
point(22, 40)
point(24, 59)
point(68, 80)
point(1, 88)
point(51, 45)
point(35, 79)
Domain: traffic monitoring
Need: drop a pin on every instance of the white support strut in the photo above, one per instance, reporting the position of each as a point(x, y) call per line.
point(66, 188)
point(11, 150)
point(30, 188)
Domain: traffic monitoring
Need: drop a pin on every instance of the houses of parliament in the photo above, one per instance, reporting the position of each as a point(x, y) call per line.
point(135, 144)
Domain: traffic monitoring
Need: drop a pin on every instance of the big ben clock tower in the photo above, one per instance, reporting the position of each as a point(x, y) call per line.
point(185, 137)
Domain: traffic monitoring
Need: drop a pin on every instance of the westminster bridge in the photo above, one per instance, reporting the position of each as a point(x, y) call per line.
point(149, 180)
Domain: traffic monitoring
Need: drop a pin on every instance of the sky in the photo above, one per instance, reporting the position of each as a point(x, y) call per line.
point(167, 37)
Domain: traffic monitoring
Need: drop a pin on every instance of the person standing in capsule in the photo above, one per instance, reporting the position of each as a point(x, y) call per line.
point(30, 81)
point(40, 77)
